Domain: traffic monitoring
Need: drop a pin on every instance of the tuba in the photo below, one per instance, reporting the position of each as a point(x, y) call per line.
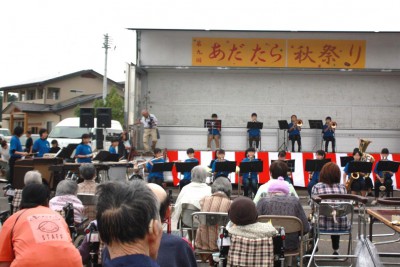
point(365, 157)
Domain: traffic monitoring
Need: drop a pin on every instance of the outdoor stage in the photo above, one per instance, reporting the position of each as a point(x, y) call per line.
point(300, 176)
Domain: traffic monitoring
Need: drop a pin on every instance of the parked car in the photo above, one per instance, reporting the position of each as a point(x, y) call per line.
point(6, 134)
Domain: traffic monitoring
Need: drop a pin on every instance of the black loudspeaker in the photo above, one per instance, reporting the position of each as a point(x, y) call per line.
point(99, 139)
point(103, 117)
point(87, 118)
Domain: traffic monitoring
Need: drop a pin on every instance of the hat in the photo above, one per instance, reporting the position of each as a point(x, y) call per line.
point(243, 211)
point(278, 186)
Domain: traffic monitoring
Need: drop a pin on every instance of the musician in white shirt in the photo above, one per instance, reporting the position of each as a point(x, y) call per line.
point(149, 122)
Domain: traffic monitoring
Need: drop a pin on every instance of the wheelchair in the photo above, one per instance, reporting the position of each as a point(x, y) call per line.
point(76, 229)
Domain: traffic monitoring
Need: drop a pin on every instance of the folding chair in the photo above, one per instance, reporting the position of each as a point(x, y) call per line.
point(208, 219)
point(185, 219)
point(290, 225)
point(334, 206)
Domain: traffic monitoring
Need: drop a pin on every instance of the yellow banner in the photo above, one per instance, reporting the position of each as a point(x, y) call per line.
point(235, 52)
point(278, 53)
point(341, 54)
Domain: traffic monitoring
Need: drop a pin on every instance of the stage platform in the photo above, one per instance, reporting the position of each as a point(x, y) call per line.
point(300, 176)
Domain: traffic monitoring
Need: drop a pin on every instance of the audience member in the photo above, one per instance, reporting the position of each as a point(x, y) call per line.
point(277, 169)
point(36, 235)
point(129, 224)
point(66, 192)
point(31, 177)
point(87, 172)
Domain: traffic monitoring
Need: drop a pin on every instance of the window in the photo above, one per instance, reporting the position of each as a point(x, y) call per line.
point(40, 94)
point(53, 93)
point(31, 95)
point(22, 96)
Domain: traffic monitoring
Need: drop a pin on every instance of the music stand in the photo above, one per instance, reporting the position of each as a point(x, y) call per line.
point(360, 166)
point(290, 163)
point(183, 167)
point(388, 166)
point(225, 166)
point(283, 125)
point(251, 166)
point(345, 160)
point(66, 152)
point(315, 165)
point(162, 167)
point(106, 156)
point(318, 125)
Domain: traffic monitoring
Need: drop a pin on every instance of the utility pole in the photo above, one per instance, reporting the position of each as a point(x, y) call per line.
point(106, 46)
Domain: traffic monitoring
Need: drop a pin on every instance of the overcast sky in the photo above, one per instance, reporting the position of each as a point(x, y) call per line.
point(56, 37)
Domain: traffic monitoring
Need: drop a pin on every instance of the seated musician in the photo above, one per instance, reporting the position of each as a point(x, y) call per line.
point(220, 158)
point(282, 157)
point(277, 169)
point(294, 132)
point(41, 146)
point(382, 178)
point(214, 133)
point(187, 176)
point(155, 177)
point(329, 134)
point(315, 175)
point(357, 186)
point(250, 180)
point(83, 151)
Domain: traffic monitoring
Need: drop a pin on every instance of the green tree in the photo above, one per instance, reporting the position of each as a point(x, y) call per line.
point(115, 102)
point(77, 111)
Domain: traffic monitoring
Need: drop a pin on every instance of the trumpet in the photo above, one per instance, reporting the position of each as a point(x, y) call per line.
point(355, 175)
point(299, 123)
point(333, 124)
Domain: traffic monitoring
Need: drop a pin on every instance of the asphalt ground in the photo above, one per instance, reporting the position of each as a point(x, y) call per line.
point(324, 247)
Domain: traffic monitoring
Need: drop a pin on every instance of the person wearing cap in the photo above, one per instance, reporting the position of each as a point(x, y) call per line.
point(382, 178)
point(36, 235)
point(277, 169)
point(251, 241)
point(280, 202)
point(83, 151)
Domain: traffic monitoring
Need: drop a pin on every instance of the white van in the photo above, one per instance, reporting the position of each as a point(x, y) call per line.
point(68, 132)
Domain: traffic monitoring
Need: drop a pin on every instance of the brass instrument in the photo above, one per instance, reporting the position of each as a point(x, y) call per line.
point(333, 124)
point(383, 187)
point(299, 123)
point(365, 157)
point(355, 175)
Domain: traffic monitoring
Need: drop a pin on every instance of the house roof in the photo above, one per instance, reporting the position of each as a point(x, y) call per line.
point(43, 81)
point(42, 108)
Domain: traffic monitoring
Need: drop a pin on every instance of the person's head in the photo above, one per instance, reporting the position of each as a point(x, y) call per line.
point(282, 155)
point(199, 174)
point(190, 152)
point(384, 152)
point(34, 195)
point(357, 155)
point(66, 187)
point(320, 154)
point(278, 186)
point(157, 152)
point(54, 143)
point(87, 171)
point(4, 144)
point(221, 154)
point(330, 174)
point(85, 138)
point(222, 184)
point(254, 116)
point(32, 177)
point(355, 150)
point(214, 116)
point(43, 133)
point(115, 142)
point(28, 133)
point(145, 113)
point(162, 198)
point(128, 214)
point(328, 119)
point(18, 131)
point(243, 211)
point(250, 152)
point(293, 118)
point(278, 169)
